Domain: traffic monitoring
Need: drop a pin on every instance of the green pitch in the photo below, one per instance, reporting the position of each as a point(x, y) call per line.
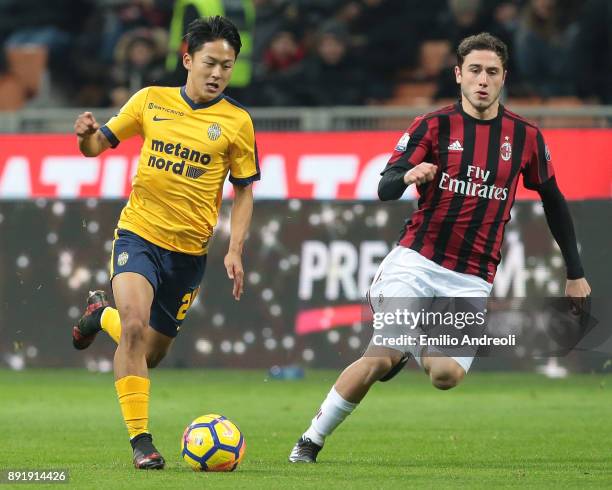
point(495, 430)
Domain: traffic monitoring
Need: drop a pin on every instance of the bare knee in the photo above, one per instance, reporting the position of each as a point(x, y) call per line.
point(446, 375)
point(133, 333)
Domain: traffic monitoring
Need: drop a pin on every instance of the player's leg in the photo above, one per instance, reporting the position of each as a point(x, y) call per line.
point(157, 345)
point(135, 276)
point(99, 316)
point(110, 322)
point(444, 372)
point(88, 326)
point(149, 322)
point(148, 327)
point(457, 293)
point(377, 364)
point(133, 295)
point(350, 388)
point(355, 381)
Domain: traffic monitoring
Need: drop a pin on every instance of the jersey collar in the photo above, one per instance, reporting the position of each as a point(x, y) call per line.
point(500, 113)
point(199, 105)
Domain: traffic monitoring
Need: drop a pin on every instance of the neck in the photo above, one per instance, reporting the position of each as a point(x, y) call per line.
point(484, 115)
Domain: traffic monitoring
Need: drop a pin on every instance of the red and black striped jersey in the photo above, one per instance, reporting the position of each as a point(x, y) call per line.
point(462, 213)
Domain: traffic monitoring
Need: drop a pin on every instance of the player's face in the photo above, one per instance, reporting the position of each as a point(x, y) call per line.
point(481, 78)
point(209, 69)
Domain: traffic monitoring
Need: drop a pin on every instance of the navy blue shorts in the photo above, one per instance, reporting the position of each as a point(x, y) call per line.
point(175, 277)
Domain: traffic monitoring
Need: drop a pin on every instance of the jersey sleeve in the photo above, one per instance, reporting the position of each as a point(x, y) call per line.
point(244, 161)
point(128, 122)
point(412, 148)
point(539, 167)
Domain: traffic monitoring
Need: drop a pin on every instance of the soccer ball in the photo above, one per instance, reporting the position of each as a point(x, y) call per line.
point(212, 443)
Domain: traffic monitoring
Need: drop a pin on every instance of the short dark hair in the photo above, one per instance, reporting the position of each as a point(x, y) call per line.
point(207, 29)
point(482, 41)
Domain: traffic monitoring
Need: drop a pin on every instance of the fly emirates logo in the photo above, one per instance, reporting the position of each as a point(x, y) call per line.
point(471, 186)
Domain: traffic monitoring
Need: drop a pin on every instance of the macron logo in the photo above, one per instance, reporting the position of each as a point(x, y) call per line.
point(455, 146)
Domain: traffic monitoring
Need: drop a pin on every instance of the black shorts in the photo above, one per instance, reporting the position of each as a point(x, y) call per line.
point(175, 277)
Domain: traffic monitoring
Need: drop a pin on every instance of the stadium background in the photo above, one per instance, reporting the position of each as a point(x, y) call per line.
point(322, 69)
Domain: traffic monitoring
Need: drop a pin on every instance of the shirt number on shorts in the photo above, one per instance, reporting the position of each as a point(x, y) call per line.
point(186, 302)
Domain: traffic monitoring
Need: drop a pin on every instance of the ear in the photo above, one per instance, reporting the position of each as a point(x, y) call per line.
point(187, 61)
point(457, 74)
point(504, 77)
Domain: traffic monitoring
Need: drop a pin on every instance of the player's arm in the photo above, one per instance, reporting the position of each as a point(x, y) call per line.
point(242, 210)
point(91, 140)
point(396, 180)
point(407, 164)
point(94, 139)
point(561, 226)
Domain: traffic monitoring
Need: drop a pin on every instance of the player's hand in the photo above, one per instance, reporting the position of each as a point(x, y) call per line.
point(578, 290)
point(86, 125)
point(421, 174)
point(233, 265)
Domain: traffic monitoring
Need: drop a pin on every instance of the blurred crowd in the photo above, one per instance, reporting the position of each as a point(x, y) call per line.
point(96, 53)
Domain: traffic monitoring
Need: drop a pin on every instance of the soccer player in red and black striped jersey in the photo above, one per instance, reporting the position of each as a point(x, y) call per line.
point(466, 161)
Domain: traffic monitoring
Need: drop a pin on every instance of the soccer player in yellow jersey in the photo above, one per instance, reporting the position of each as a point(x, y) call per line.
point(193, 136)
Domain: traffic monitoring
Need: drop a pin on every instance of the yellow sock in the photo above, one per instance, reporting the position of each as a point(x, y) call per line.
point(133, 394)
point(111, 324)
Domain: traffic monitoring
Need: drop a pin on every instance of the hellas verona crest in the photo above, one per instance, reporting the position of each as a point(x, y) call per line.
point(214, 131)
point(506, 150)
point(123, 258)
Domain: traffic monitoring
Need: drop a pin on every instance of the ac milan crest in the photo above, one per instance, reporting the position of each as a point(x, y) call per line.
point(506, 150)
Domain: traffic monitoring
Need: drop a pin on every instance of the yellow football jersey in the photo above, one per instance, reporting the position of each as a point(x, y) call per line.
point(187, 152)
